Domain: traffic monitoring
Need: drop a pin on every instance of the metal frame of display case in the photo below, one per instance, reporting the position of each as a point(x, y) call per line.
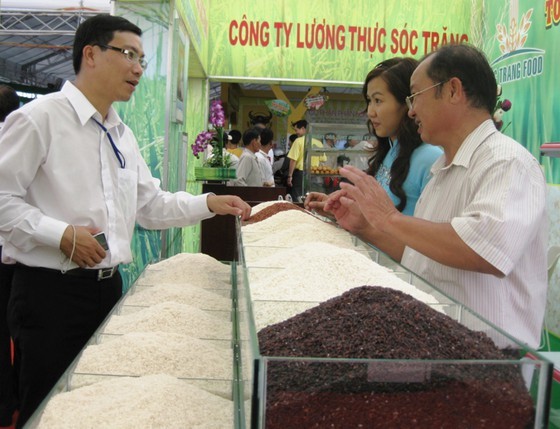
point(253, 370)
point(333, 158)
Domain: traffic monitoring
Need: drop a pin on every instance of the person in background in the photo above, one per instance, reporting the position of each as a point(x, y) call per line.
point(479, 232)
point(66, 282)
point(330, 141)
point(296, 156)
point(232, 145)
point(265, 162)
point(9, 101)
point(226, 139)
point(363, 147)
point(261, 126)
point(291, 139)
point(401, 162)
point(281, 174)
point(248, 170)
point(234, 159)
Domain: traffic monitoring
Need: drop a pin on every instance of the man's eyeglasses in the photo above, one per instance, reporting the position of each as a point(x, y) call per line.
point(410, 99)
point(130, 55)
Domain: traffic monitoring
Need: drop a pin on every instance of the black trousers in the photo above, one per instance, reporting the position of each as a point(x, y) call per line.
point(8, 383)
point(297, 186)
point(51, 317)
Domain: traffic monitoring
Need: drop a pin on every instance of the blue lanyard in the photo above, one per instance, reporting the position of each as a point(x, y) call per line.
point(116, 150)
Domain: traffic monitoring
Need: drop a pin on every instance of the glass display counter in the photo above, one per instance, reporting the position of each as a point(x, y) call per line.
point(281, 390)
point(329, 146)
point(272, 390)
point(204, 358)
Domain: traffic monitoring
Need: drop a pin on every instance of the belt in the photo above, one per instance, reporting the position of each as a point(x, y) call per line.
point(99, 274)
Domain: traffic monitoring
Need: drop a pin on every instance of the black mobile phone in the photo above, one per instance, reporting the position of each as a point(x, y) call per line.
point(101, 239)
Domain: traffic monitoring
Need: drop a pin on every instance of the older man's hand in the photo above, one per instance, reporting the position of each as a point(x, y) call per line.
point(346, 212)
point(372, 200)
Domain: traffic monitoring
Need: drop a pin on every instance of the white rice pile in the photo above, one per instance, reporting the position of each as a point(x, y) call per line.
point(291, 228)
point(319, 271)
point(194, 268)
point(143, 353)
point(182, 293)
point(174, 318)
point(153, 401)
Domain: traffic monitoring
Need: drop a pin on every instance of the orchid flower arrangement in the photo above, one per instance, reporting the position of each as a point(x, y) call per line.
point(215, 138)
point(502, 106)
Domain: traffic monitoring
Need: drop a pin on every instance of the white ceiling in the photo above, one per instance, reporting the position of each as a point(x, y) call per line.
point(54, 4)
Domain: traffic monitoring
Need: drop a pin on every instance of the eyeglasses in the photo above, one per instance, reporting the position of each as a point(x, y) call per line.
point(410, 99)
point(130, 55)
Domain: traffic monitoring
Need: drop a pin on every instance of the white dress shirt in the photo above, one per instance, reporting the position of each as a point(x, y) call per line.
point(494, 196)
point(265, 164)
point(248, 170)
point(57, 167)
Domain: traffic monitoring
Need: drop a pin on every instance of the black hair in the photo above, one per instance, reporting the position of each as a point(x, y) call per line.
point(99, 29)
point(9, 101)
point(266, 136)
point(235, 136)
point(396, 73)
point(302, 123)
point(470, 66)
point(250, 135)
point(293, 137)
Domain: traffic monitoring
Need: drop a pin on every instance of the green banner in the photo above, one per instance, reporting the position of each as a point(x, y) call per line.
point(522, 40)
point(326, 41)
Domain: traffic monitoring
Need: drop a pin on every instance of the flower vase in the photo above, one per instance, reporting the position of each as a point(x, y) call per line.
point(216, 164)
point(214, 173)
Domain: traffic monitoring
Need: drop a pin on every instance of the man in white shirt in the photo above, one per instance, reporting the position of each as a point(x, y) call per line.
point(248, 170)
point(263, 156)
point(479, 231)
point(70, 168)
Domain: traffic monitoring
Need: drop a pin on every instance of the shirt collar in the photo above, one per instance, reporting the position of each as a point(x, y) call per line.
point(468, 147)
point(250, 152)
point(85, 110)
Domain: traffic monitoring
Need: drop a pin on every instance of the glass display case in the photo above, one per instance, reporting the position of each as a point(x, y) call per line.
point(204, 358)
point(273, 390)
point(282, 390)
point(329, 146)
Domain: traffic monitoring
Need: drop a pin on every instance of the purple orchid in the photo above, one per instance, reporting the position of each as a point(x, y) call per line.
point(201, 142)
point(217, 117)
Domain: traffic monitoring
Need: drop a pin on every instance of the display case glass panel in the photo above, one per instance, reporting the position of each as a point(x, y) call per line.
point(218, 374)
point(283, 391)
